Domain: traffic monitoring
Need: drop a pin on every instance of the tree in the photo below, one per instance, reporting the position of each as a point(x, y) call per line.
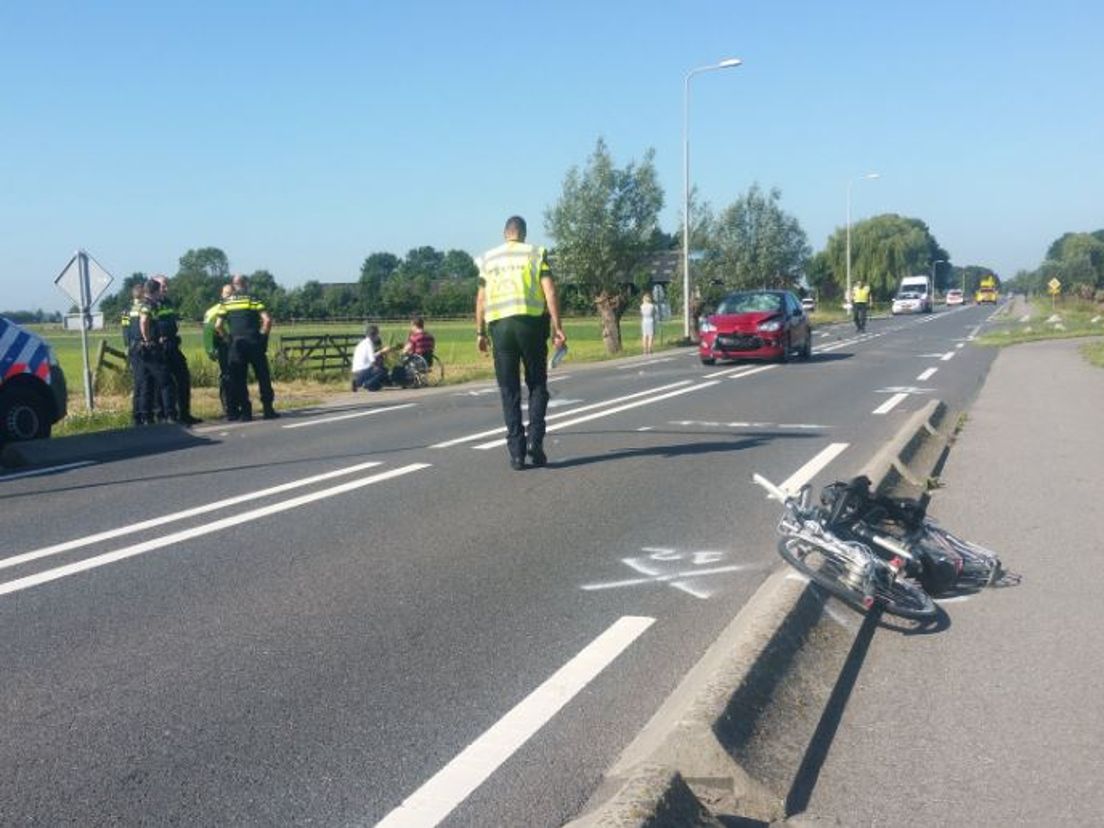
point(199, 279)
point(458, 264)
point(884, 249)
point(756, 244)
point(377, 268)
point(114, 305)
point(604, 227)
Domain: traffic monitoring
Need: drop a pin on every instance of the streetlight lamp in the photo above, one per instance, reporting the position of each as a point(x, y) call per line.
point(727, 63)
point(850, 181)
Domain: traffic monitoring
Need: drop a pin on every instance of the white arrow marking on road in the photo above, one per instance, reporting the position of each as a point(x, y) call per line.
point(199, 531)
point(889, 404)
point(451, 785)
point(187, 513)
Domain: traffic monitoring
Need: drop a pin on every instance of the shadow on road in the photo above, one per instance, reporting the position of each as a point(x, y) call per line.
point(744, 442)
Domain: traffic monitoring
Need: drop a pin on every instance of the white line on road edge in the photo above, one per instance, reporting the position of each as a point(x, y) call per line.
point(927, 375)
point(607, 412)
point(738, 370)
point(199, 531)
point(758, 370)
point(335, 419)
point(948, 356)
point(889, 404)
point(451, 785)
point(48, 470)
point(807, 472)
point(175, 516)
point(501, 429)
point(656, 361)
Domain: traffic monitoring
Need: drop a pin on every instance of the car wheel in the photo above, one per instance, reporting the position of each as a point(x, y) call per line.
point(807, 348)
point(23, 416)
point(787, 347)
point(708, 361)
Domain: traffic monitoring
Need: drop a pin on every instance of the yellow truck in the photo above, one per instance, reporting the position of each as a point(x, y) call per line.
point(987, 291)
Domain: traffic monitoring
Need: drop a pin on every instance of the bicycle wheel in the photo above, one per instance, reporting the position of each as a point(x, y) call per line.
point(839, 575)
point(416, 370)
point(435, 373)
point(902, 597)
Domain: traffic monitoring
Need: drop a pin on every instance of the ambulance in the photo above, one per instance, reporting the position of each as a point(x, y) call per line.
point(32, 386)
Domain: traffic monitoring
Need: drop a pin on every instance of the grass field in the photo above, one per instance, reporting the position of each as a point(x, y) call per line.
point(1068, 318)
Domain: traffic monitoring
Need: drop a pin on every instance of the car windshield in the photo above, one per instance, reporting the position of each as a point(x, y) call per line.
point(908, 296)
point(750, 303)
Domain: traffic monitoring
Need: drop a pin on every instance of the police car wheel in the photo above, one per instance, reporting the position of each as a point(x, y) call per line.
point(23, 416)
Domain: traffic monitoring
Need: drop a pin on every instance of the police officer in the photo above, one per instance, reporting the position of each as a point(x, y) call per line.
point(516, 303)
point(246, 322)
point(218, 347)
point(167, 322)
point(157, 389)
point(860, 304)
point(131, 338)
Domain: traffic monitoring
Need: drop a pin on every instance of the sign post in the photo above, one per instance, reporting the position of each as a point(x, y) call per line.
point(1054, 287)
point(84, 281)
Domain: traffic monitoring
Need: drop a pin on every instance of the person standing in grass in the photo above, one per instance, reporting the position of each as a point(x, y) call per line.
point(516, 303)
point(647, 322)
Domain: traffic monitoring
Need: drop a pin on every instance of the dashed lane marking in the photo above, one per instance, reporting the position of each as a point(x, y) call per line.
point(807, 472)
point(354, 415)
point(890, 404)
point(926, 375)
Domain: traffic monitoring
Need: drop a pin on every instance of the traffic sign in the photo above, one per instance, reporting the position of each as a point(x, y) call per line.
point(1054, 286)
point(97, 280)
point(84, 322)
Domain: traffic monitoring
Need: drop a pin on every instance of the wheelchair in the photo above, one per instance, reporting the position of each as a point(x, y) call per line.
point(419, 371)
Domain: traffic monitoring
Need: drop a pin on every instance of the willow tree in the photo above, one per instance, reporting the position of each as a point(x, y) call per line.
point(604, 228)
point(884, 249)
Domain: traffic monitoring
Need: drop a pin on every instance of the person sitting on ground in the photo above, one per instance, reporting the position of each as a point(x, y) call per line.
point(420, 341)
point(368, 368)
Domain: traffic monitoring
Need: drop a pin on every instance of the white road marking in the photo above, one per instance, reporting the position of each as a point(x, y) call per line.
point(690, 589)
point(558, 403)
point(807, 472)
point(752, 371)
point(47, 470)
point(960, 345)
point(648, 362)
point(889, 404)
point(354, 415)
point(608, 412)
point(451, 785)
point(502, 429)
point(748, 424)
point(662, 579)
point(646, 428)
point(739, 369)
point(199, 531)
point(948, 356)
point(926, 375)
point(130, 529)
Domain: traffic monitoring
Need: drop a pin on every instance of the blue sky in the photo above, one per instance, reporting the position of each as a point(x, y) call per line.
point(300, 137)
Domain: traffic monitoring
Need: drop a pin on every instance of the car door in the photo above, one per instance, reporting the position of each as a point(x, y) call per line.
point(796, 320)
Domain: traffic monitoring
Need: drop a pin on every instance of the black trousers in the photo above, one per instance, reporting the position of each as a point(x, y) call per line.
point(138, 376)
point(522, 341)
point(246, 353)
point(222, 350)
point(177, 365)
point(859, 313)
point(158, 400)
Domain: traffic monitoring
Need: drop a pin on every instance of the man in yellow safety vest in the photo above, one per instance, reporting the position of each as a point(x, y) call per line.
point(516, 303)
point(860, 304)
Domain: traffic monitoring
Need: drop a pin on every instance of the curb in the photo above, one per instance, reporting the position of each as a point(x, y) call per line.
point(734, 739)
point(100, 445)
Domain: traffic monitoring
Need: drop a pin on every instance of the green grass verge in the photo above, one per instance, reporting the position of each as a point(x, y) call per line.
point(1094, 353)
point(1068, 319)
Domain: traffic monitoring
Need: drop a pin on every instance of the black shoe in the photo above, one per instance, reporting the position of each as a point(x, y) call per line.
point(271, 414)
point(517, 463)
point(354, 386)
point(189, 420)
point(537, 455)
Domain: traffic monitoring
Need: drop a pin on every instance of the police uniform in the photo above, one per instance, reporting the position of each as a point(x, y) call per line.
point(158, 392)
point(218, 349)
point(166, 323)
point(242, 319)
point(132, 337)
point(517, 319)
point(860, 302)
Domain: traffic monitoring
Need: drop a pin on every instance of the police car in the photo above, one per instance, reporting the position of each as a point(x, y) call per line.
point(32, 386)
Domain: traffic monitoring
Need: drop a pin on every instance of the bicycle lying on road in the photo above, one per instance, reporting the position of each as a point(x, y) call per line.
point(848, 569)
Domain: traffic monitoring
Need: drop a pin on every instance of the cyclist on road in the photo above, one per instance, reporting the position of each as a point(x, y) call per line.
point(860, 303)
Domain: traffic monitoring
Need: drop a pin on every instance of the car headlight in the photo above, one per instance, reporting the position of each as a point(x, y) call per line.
point(707, 326)
point(771, 326)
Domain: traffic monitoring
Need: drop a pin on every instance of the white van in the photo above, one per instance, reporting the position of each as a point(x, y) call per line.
point(914, 295)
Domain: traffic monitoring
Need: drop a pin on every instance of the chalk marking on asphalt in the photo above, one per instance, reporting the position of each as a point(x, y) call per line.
point(663, 579)
point(642, 364)
point(199, 531)
point(947, 357)
point(355, 414)
point(807, 472)
point(502, 429)
point(130, 529)
point(889, 404)
point(48, 470)
point(690, 589)
point(643, 569)
point(926, 375)
point(451, 785)
point(608, 411)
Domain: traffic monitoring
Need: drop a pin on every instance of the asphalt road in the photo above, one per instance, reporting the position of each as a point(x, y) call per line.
point(317, 618)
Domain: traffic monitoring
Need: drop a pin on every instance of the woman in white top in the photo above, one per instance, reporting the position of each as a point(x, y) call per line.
point(647, 321)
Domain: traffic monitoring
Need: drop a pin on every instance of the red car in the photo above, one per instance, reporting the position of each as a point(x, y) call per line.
point(756, 324)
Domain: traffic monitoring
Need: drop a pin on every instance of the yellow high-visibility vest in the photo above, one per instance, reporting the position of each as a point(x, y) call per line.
point(511, 274)
point(861, 294)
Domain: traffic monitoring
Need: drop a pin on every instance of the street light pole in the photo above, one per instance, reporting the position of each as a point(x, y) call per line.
point(728, 63)
point(850, 181)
